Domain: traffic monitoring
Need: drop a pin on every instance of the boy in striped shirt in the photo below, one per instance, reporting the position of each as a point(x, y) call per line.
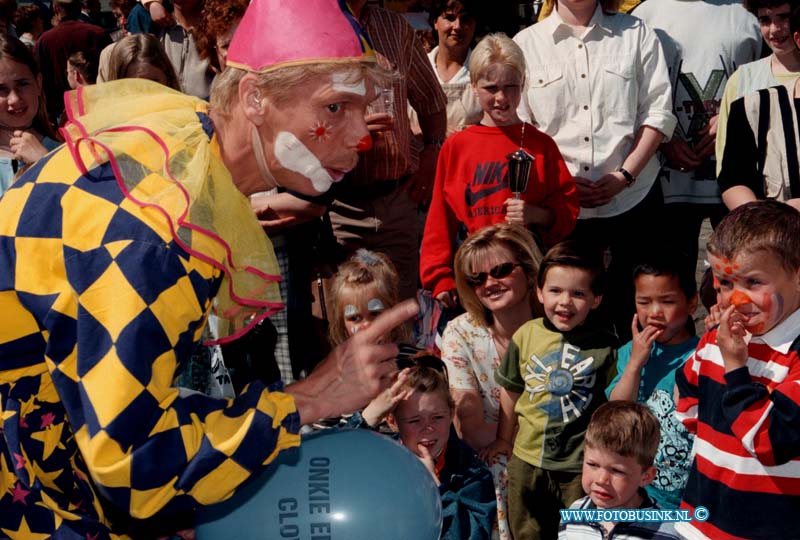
point(740, 391)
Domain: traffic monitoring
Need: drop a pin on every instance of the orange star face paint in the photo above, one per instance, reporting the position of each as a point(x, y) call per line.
point(761, 289)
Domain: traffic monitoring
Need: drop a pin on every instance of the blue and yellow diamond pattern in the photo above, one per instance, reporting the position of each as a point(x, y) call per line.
point(100, 308)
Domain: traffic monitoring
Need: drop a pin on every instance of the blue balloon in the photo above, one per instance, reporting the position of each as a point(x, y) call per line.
point(341, 484)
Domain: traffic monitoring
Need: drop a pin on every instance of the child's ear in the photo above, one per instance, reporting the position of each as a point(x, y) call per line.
point(693, 304)
point(390, 420)
point(648, 476)
point(539, 295)
point(596, 302)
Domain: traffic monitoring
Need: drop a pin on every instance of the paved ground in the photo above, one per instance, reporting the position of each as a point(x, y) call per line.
point(700, 314)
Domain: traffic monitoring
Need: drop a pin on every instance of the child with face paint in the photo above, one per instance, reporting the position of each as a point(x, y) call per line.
point(739, 391)
point(419, 408)
point(364, 287)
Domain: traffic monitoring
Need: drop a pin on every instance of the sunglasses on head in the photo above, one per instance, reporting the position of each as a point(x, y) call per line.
point(497, 272)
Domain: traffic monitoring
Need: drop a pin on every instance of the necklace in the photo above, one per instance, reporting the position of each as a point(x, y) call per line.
point(500, 342)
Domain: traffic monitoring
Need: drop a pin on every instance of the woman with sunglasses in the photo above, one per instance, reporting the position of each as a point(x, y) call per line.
point(495, 272)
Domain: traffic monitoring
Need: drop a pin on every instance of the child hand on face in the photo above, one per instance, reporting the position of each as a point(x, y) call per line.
point(732, 334)
point(642, 342)
point(385, 403)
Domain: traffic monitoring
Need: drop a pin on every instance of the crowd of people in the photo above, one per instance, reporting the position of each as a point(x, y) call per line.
point(214, 215)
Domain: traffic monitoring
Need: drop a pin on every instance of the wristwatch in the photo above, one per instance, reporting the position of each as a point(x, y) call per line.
point(434, 142)
point(629, 178)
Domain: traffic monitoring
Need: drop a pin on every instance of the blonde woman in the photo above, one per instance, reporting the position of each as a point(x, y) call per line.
point(495, 272)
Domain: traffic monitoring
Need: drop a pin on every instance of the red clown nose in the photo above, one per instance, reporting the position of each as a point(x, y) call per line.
point(365, 143)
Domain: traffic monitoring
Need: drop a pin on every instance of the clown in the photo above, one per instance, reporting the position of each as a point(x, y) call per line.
point(114, 249)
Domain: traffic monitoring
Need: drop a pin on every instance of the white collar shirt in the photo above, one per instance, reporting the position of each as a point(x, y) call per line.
point(592, 91)
point(781, 337)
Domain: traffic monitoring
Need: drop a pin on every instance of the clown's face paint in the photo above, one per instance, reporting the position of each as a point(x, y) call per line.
point(361, 307)
point(759, 287)
point(295, 156)
point(320, 131)
point(342, 82)
point(312, 139)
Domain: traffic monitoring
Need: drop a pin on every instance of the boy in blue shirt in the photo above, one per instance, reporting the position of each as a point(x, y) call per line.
point(663, 339)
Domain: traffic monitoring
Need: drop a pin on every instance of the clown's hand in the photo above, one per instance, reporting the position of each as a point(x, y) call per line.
point(355, 372)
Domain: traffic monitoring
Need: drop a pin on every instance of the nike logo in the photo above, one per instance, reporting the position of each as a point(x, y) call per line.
point(472, 197)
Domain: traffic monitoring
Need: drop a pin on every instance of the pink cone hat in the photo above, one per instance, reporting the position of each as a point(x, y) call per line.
point(280, 33)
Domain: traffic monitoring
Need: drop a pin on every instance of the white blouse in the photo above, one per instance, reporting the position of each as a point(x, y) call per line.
point(593, 92)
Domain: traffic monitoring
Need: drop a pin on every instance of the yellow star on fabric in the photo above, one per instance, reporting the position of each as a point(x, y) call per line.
point(48, 479)
point(27, 407)
point(59, 514)
point(24, 533)
point(51, 438)
point(6, 476)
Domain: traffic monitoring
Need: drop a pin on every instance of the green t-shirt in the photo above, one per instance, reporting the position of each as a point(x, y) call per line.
point(561, 378)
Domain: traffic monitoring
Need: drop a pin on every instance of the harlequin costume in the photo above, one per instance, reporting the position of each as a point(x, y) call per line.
point(113, 250)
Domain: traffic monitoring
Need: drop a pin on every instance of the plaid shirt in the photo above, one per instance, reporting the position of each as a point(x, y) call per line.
point(396, 153)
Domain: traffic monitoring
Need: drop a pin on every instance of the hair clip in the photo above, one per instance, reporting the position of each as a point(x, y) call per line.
point(367, 257)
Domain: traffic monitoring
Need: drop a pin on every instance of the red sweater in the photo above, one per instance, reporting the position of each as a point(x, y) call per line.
point(472, 184)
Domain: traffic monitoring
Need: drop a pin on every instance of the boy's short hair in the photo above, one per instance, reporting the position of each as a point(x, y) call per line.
point(768, 225)
point(669, 263)
point(429, 376)
point(754, 5)
point(85, 63)
point(575, 254)
point(625, 428)
point(495, 49)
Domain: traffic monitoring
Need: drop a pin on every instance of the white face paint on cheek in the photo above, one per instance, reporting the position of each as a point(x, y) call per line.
point(295, 156)
point(340, 83)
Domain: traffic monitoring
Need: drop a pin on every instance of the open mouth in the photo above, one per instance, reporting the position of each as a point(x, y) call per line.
point(336, 174)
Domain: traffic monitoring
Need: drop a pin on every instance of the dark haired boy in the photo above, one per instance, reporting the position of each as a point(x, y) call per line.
point(618, 458)
point(740, 391)
point(663, 339)
point(553, 376)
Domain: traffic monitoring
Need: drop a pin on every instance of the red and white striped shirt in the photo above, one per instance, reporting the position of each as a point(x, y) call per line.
point(746, 469)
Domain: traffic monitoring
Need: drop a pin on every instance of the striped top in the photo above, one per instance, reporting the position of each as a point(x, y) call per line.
point(746, 469)
point(762, 150)
point(621, 531)
point(395, 154)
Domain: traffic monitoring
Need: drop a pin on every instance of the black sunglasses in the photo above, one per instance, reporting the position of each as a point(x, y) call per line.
point(497, 272)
